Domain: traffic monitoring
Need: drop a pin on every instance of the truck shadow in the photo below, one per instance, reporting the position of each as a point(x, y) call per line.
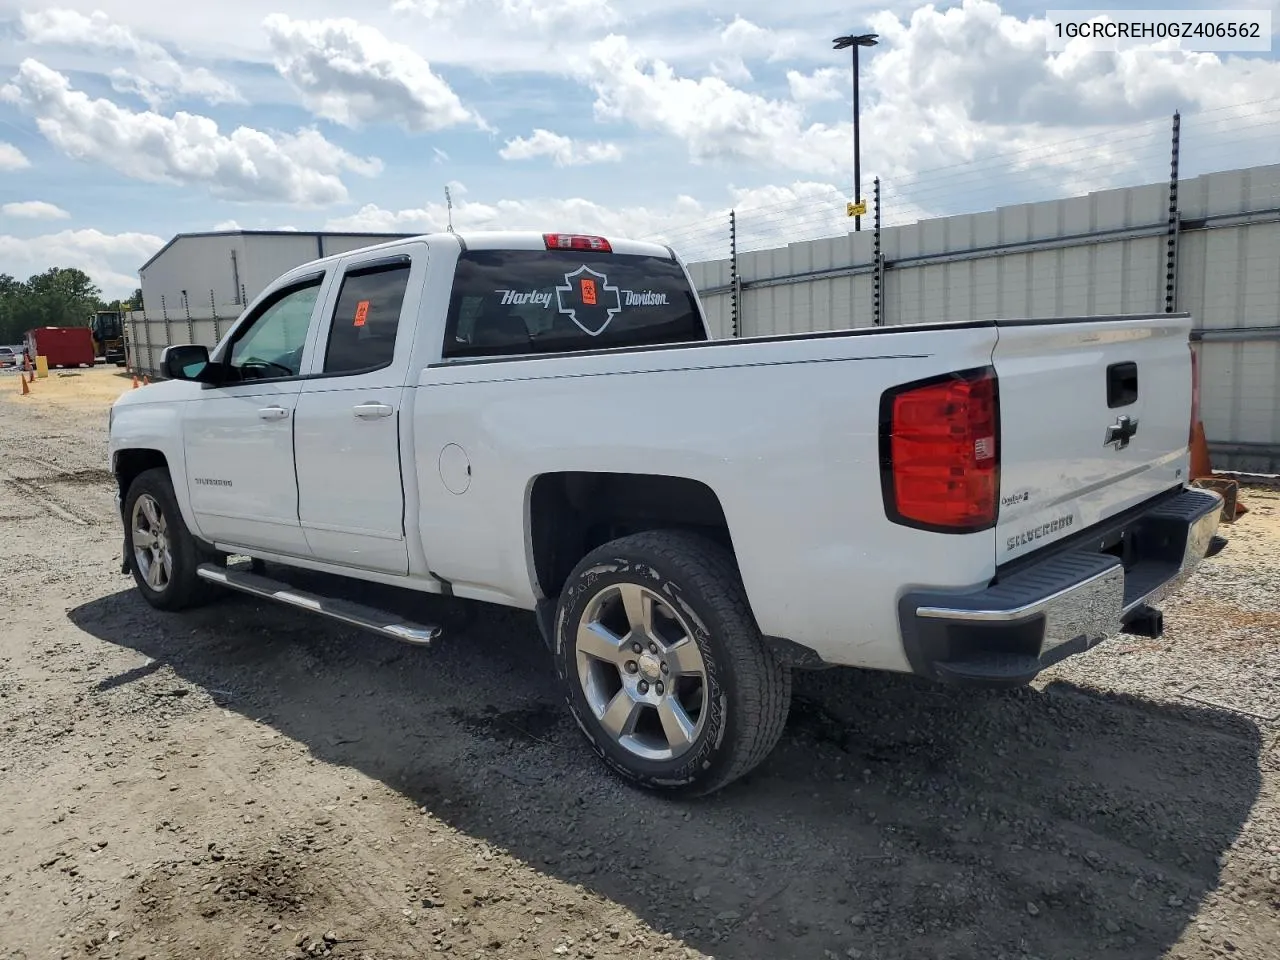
point(896, 819)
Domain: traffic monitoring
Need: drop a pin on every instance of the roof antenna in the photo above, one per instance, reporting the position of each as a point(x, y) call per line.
point(449, 202)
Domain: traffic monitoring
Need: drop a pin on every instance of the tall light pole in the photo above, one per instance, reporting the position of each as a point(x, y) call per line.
point(853, 43)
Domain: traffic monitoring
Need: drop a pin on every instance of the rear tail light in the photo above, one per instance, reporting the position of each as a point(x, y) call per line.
point(940, 452)
point(573, 241)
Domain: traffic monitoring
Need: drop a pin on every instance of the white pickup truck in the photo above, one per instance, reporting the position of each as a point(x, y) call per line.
point(543, 421)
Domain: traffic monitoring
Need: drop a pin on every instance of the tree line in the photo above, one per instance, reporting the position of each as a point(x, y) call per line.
point(58, 297)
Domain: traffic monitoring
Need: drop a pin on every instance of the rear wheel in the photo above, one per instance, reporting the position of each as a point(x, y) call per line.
point(163, 554)
point(665, 669)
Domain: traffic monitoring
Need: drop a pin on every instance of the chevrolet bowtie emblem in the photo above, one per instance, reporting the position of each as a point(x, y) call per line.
point(1120, 433)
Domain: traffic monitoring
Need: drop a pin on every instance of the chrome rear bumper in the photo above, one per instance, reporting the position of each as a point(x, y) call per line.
point(1006, 633)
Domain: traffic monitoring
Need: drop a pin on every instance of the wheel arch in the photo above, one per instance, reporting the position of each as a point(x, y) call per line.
point(571, 513)
point(127, 463)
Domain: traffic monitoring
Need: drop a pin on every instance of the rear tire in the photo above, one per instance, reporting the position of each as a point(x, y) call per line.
point(702, 701)
point(163, 555)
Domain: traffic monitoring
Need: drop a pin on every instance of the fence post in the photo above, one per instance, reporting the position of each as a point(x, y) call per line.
point(213, 312)
point(168, 335)
point(191, 326)
point(733, 272)
point(877, 314)
point(1175, 220)
point(146, 328)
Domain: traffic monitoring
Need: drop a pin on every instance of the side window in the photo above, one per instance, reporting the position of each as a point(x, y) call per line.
point(272, 345)
point(366, 319)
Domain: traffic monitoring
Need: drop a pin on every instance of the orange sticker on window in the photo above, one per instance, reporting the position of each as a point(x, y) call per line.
point(362, 312)
point(589, 292)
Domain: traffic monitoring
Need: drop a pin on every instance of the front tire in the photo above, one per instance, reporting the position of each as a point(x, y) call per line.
point(664, 666)
point(163, 554)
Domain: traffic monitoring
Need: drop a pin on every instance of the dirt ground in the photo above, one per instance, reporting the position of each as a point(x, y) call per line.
point(248, 781)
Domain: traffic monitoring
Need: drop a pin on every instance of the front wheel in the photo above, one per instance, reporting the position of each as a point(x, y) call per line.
point(665, 669)
point(162, 552)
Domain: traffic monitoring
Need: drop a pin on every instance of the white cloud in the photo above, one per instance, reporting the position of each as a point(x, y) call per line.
point(111, 260)
point(156, 76)
point(527, 214)
point(34, 210)
point(353, 74)
point(743, 40)
point(716, 121)
point(565, 151)
point(246, 164)
point(767, 216)
point(826, 83)
point(975, 84)
point(752, 41)
point(11, 158)
point(543, 16)
point(945, 87)
point(994, 66)
point(548, 15)
point(226, 225)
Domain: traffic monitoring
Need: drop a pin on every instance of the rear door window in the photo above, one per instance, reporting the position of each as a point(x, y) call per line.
point(508, 302)
point(366, 320)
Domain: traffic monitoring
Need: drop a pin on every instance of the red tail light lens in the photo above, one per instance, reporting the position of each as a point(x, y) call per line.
point(572, 241)
point(940, 452)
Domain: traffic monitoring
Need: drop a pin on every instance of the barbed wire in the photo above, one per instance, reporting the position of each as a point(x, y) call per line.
point(1210, 140)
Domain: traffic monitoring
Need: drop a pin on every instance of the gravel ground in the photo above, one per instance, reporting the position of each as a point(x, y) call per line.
point(246, 781)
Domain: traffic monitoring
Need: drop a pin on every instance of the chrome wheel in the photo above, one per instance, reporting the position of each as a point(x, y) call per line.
point(151, 549)
point(641, 672)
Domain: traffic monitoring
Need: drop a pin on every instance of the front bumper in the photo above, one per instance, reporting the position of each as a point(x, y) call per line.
point(1106, 582)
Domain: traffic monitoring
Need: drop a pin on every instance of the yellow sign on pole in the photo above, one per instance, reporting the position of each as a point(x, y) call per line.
point(858, 209)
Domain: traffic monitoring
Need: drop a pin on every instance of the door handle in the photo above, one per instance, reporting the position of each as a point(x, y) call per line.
point(273, 413)
point(373, 410)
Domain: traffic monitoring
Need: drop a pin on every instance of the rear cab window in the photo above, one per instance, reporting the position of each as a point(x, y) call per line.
point(512, 302)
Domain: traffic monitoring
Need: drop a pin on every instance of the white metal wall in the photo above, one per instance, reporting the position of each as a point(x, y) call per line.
point(1104, 253)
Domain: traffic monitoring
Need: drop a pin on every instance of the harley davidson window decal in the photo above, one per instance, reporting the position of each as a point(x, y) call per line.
point(587, 298)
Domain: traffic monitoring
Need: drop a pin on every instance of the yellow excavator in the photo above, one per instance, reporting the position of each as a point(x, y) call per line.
point(107, 327)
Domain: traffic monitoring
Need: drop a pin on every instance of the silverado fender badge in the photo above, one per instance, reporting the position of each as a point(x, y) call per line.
point(1120, 433)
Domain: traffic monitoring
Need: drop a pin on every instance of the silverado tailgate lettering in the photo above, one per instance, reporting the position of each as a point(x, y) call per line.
point(1022, 538)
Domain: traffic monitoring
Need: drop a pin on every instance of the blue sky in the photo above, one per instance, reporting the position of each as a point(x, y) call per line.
point(123, 122)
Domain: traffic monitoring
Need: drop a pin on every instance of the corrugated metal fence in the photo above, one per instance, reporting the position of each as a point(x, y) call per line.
point(1105, 253)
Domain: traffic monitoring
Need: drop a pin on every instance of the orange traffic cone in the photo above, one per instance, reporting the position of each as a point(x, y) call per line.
point(135, 382)
point(1200, 465)
point(25, 388)
point(146, 381)
point(1202, 475)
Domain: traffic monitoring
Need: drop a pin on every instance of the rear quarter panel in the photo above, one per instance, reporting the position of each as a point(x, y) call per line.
point(785, 432)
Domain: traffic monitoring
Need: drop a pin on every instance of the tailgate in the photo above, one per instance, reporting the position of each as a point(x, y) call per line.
point(1094, 419)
